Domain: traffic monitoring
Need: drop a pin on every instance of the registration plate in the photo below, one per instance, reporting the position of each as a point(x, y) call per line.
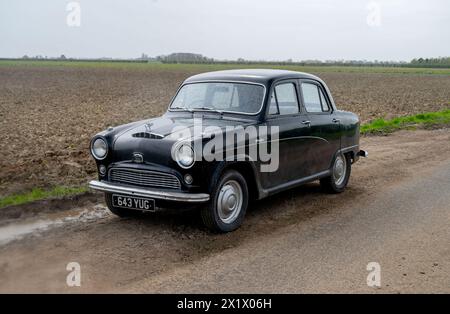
point(132, 202)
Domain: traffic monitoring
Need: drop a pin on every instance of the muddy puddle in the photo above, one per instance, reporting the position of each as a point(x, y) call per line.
point(12, 231)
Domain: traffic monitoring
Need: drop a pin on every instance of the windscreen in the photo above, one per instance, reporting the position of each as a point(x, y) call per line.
point(220, 96)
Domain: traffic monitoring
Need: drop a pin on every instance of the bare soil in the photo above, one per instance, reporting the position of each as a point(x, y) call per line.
point(49, 114)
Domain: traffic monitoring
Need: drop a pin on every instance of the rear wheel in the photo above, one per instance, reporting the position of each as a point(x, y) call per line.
point(229, 200)
point(340, 174)
point(121, 212)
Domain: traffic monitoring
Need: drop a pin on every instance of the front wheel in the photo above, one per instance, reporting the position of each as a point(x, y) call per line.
point(229, 200)
point(340, 174)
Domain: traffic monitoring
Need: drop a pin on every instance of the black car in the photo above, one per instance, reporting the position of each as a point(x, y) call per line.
point(228, 137)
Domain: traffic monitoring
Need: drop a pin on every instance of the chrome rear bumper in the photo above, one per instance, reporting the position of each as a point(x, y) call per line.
point(151, 193)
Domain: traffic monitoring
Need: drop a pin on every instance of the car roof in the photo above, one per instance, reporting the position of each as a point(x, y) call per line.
point(263, 76)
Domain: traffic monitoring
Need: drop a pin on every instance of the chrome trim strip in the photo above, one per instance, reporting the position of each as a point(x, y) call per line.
point(259, 141)
point(223, 111)
point(295, 182)
point(157, 194)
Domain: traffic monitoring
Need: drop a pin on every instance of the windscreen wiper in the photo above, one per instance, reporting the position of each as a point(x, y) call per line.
point(208, 109)
point(182, 108)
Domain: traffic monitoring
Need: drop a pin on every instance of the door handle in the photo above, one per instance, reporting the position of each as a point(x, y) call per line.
point(307, 122)
point(335, 120)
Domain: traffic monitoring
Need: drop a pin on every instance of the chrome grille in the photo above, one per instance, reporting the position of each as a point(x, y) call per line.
point(144, 178)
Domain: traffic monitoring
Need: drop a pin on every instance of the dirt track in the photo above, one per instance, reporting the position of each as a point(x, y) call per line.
point(396, 212)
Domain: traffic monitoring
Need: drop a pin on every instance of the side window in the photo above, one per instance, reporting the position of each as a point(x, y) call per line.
point(311, 97)
point(273, 107)
point(323, 100)
point(286, 97)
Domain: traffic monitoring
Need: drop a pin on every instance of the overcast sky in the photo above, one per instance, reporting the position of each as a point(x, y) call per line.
point(228, 29)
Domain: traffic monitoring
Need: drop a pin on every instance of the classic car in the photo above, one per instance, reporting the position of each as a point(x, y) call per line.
point(195, 156)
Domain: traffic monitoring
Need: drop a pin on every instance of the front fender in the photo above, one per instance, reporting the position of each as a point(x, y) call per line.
point(248, 168)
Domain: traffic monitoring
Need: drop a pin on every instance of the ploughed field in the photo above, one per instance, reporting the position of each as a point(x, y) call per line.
point(48, 113)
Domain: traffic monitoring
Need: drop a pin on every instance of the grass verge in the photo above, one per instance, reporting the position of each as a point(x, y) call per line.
point(39, 194)
point(428, 119)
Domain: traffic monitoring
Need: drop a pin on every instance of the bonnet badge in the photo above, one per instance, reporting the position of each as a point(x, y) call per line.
point(138, 158)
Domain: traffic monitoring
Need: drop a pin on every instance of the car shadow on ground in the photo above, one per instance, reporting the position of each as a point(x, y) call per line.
point(276, 211)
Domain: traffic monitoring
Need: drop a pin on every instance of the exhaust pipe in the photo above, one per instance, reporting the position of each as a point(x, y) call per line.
point(363, 153)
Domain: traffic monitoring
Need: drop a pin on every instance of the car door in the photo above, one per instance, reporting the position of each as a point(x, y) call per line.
point(325, 127)
point(285, 113)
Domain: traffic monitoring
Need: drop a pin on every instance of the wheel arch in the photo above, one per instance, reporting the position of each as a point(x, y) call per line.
point(350, 151)
point(247, 169)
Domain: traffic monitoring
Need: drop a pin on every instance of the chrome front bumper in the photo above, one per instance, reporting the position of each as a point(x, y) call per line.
point(157, 194)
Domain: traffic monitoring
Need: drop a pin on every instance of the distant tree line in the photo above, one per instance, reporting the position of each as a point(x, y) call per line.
point(362, 63)
point(186, 57)
point(198, 58)
point(443, 62)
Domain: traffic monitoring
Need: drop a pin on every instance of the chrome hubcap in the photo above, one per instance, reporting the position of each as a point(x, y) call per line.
point(339, 170)
point(229, 201)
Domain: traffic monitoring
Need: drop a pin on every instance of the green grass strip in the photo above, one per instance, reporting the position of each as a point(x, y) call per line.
point(39, 194)
point(428, 119)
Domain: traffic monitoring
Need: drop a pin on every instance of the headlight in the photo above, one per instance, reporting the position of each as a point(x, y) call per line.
point(184, 155)
point(99, 148)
